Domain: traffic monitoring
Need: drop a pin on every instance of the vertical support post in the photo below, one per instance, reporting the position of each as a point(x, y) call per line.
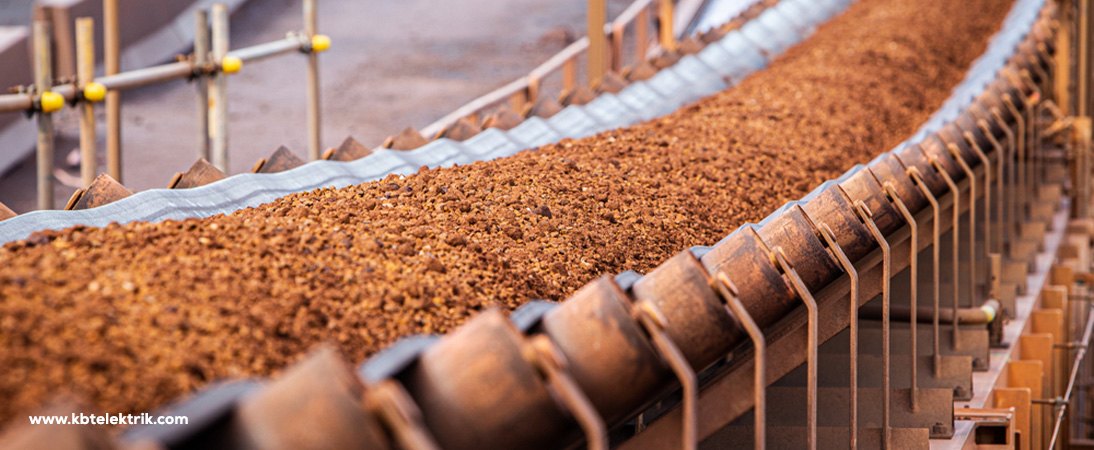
point(618, 34)
point(998, 147)
point(85, 73)
point(112, 65)
point(43, 81)
point(665, 18)
point(759, 374)
point(311, 25)
point(201, 59)
point(1084, 58)
point(867, 218)
point(1062, 82)
point(852, 274)
point(987, 192)
point(1081, 172)
point(218, 101)
point(641, 35)
point(598, 41)
point(569, 75)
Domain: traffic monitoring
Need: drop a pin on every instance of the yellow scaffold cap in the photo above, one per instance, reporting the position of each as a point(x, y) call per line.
point(231, 64)
point(94, 92)
point(52, 101)
point(320, 42)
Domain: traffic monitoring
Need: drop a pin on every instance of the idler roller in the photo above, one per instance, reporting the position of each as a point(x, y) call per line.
point(798, 237)
point(477, 389)
point(860, 184)
point(913, 156)
point(889, 169)
point(831, 206)
point(744, 258)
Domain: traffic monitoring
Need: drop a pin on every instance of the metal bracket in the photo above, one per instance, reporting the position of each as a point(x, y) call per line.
point(852, 273)
point(811, 357)
point(972, 222)
point(867, 218)
point(918, 180)
point(913, 268)
point(545, 357)
point(956, 232)
point(738, 311)
point(986, 128)
point(650, 317)
point(396, 409)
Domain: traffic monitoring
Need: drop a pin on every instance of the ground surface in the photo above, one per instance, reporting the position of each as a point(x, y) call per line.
point(133, 316)
point(393, 64)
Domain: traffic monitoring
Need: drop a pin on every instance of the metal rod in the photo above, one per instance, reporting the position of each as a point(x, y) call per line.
point(43, 80)
point(653, 320)
point(85, 74)
point(1011, 214)
point(569, 76)
point(913, 268)
point(986, 162)
point(641, 35)
point(617, 37)
point(112, 66)
point(1084, 58)
point(852, 274)
point(956, 153)
point(759, 374)
point(866, 216)
point(665, 20)
point(397, 410)
point(998, 147)
point(1071, 379)
point(1020, 160)
point(310, 29)
point(218, 104)
point(201, 58)
point(936, 256)
point(550, 361)
point(956, 233)
point(811, 343)
point(596, 17)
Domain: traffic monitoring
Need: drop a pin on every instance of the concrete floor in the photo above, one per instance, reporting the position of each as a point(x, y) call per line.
point(393, 64)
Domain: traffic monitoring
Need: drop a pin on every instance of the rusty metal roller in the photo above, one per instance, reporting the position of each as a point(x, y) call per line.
point(25, 436)
point(761, 288)
point(889, 169)
point(504, 118)
point(951, 134)
point(861, 185)
point(5, 212)
point(913, 156)
point(281, 160)
point(610, 83)
point(831, 206)
point(103, 190)
point(462, 130)
point(577, 96)
point(1011, 75)
point(350, 150)
point(966, 122)
point(544, 108)
point(408, 139)
point(610, 357)
point(933, 148)
point(697, 319)
point(640, 72)
point(316, 404)
point(991, 102)
point(798, 236)
point(981, 110)
point(200, 174)
point(1001, 90)
point(476, 389)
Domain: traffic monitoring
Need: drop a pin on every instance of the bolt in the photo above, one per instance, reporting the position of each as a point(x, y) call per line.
point(939, 429)
point(960, 392)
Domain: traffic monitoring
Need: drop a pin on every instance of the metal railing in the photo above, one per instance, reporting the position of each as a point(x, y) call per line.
point(208, 66)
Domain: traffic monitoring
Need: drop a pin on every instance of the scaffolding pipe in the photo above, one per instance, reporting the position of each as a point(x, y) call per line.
point(43, 76)
point(85, 74)
point(112, 66)
point(218, 104)
point(310, 27)
point(201, 57)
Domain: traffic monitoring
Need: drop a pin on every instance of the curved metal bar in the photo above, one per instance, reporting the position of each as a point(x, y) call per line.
point(653, 320)
point(396, 409)
point(811, 355)
point(852, 273)
point(913, 268)
point(1011, 214)
point(972, 220)
point(987, 189)
point(999, 176)
point(759, 375)
point(867, 218)
point(1020, 158)
point(936, 237)
point(956, 241)
point(545, 357)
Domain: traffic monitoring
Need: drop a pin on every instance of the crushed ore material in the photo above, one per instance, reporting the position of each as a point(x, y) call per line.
point(130, 317)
